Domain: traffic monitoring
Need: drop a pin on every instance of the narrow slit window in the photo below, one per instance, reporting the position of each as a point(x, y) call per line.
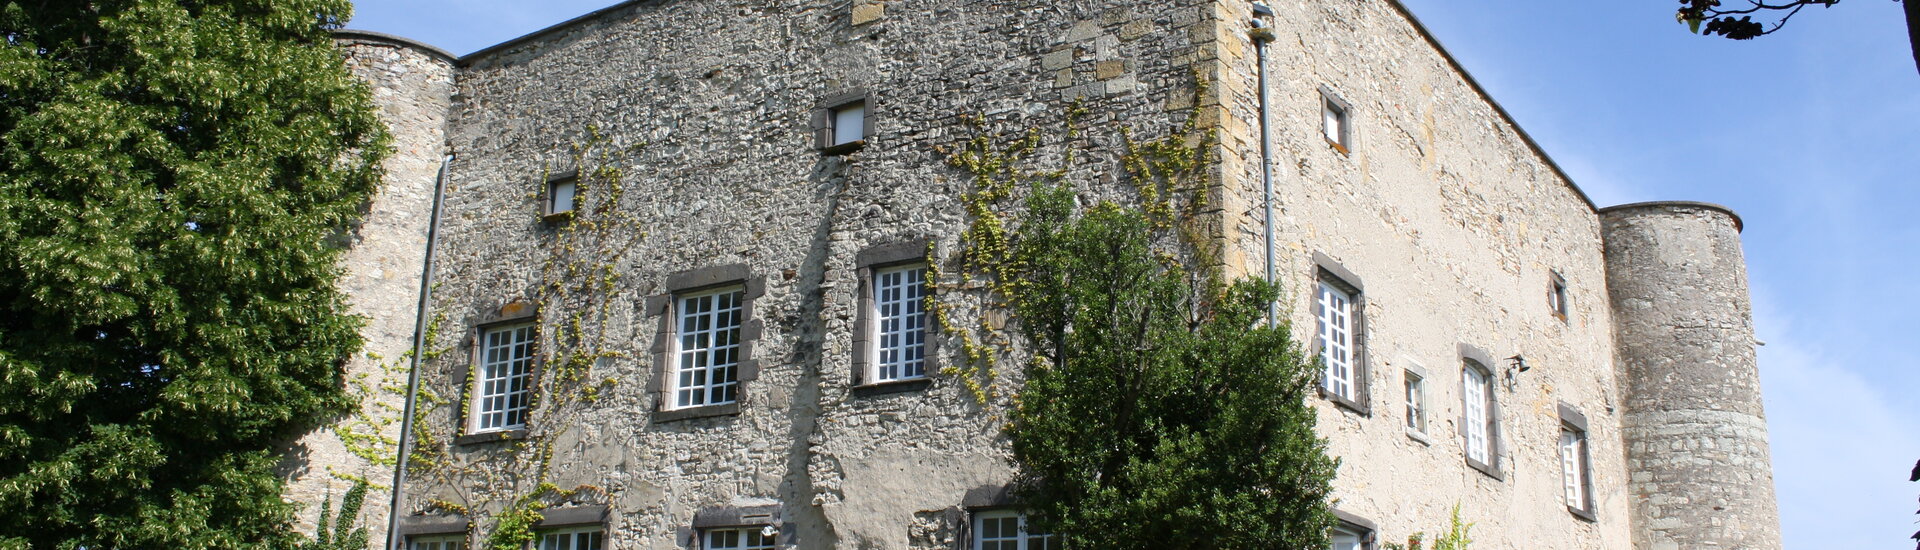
point(1557, 296)
point(900, 302)
point(505, 377)
point(708, 354)
point(1416, 402)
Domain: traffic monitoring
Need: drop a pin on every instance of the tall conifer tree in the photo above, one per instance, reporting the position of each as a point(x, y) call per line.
point(176, 180)
point(1163, 414)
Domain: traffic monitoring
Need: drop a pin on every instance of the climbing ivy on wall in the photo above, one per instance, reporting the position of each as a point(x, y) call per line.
point(1157, 411)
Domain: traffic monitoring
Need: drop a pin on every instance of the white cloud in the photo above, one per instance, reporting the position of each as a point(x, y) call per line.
point(1841, 449)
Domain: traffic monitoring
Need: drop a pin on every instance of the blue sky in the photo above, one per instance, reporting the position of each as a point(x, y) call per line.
point(1811, 134)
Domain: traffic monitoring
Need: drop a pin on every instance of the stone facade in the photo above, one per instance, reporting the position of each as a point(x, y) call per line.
point(690, 127)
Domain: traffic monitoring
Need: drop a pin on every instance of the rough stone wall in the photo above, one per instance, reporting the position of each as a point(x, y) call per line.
point(704, 108)
point(1453, 225)
point(382, 279)
point(701, 110)
point(1695, 432)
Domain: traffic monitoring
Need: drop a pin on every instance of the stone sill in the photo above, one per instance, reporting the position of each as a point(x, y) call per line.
point(495, 436)
point(1420, 437)
point(893, 386)
point(708, 411)
point(1344, 403)
point(1584, 515)
point(1486, 469)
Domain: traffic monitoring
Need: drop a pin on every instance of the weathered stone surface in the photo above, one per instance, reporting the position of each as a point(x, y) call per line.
point(1695, 432)
point(1452, 217)
point(382, 269)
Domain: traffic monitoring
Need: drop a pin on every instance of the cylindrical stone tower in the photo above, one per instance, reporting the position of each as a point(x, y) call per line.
point(1699, 472)
point(412, 87)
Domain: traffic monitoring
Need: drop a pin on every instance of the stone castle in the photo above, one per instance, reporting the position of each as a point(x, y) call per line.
point(674, 252)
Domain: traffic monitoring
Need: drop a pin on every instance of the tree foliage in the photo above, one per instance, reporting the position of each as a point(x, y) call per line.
point(175, 181)
point(1736, 21)
point(1160, 412)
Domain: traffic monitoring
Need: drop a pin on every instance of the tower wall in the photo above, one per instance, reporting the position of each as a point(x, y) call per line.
point(411, 86)
point(1696, 437)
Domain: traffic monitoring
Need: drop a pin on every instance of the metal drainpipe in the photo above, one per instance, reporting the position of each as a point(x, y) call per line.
point(413, 368)
point(1261, 36)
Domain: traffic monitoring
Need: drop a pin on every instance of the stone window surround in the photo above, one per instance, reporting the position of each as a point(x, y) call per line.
point(1368, 531)
point(869, 261)
point(735, 517)
point(665, 307)
point(1426, 400)
point(1329, 271)
point(1557, 295)
point(1572, 419)
point(822, 122)
point(547, 213)
point(1469, 356)
point(968, 537)
point(509, 314)
point(1330, 101)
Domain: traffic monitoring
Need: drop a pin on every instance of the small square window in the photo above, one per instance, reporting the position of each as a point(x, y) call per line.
point(437, 542)
point(843, 124)
point(574, 538)
point(741, 538)
point(848, 120)
point(562, 193)
point(1335, 123)
point(1557, 295)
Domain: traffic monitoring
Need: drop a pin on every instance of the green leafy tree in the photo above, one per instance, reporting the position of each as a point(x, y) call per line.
point(1161, 413)
point(1735, 21)
point(176, 178)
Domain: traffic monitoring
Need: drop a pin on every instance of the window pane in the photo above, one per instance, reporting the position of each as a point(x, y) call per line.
point(849, 123)
point(505, 377)
point(562, 195)
point(709, 348)
point(1335, 312)
point(900, 311)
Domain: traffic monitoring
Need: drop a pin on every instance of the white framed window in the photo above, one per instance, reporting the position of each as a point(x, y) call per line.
point(900, 323)
point(437, 542)
point(1477, 396)
point(706, 355)
point(1416, 398)
point(574, 538)
point(1333, 306)
point(1008, 530)
point(742, 538)
point(1575, 482)
point(503, 387)
point(849, 123)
